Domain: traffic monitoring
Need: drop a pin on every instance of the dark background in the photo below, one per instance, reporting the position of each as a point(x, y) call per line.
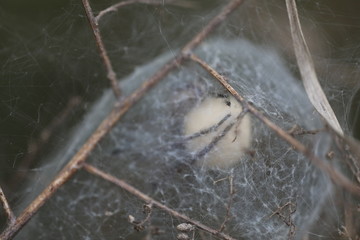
point(48, 57)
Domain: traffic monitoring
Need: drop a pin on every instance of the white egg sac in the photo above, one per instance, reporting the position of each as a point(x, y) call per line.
point(209, 120)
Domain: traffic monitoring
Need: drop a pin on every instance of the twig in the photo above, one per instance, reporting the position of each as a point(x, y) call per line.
point(296, 130)
point(78, 159)
point(307, 70)
point(335, 176)
point(350, 148)
point(287, 219)
point(93, 170)
point(139, 226)
point(111, 75)
point(9, 214)
point(229, 205)
point(114, 116)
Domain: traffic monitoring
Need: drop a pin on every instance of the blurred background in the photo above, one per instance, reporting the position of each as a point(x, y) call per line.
point(51, 71)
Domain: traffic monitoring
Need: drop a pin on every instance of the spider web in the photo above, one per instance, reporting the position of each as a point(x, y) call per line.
point(275, 187)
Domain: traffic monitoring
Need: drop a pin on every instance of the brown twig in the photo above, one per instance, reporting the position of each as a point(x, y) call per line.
point(296, 130)
point(350, 149)
point(111, 75)
point(229, 205)
point(119, 110)
point(335, 176)
point(9, 214)
point(139, 226)
point(93, 170)
point(78, 159)
point(287, 218)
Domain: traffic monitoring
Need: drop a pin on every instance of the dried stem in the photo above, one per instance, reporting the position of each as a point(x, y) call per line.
point(139, 226)
point(79, 158)
point(9, 214)
point(296, 130)
point(287, 218)
point(307, 69)
point(336, 176)
point(111, 75)
point(147, 199)
point(350, 148)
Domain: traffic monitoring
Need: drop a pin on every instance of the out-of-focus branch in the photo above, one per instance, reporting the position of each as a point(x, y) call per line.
point(34, 147)
point(79, 158)
point(111, 75)
point(9, 214)
point(307, 69)
point(114, 116)
point(149, 200)
point(335, 176)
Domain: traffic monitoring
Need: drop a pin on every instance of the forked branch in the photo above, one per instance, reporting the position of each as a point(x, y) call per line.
point(114, 116)
point(153, 202)
point(111, 75)
point(335, 175)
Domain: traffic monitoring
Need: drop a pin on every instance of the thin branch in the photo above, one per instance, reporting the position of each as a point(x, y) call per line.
point(287, 218)
point(350, 220)
point(296, 130)
point(78, 159)
point(350, 148)
point(119, 110)
point(307, 69)
point(335, 176)
point(9, 214)
point(140, 226)
point(111, 75)
point(93, 170)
